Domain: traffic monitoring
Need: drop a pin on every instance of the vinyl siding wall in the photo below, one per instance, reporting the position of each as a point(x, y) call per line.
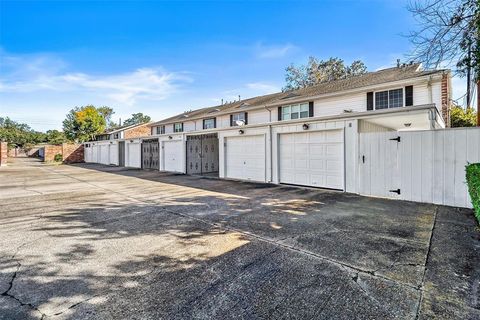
point(355, 102)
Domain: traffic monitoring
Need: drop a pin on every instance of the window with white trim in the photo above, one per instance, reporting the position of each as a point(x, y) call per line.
point(237, 117)
point(161, 130)
point(178, 127)
point(389, 99)
point(295, 111)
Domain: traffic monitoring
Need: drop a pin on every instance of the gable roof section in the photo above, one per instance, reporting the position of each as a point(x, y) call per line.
point(368, 79)
point(124, 128)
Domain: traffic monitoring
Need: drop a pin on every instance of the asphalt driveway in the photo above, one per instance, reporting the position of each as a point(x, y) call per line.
point(97, 242)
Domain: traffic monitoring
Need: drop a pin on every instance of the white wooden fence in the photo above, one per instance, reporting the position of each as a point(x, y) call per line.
point(424, 166)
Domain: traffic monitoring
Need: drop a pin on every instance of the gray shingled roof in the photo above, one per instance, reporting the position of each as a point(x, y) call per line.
point(364, 80)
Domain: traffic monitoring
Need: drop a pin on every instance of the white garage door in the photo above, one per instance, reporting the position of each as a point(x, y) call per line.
point(87, 156)
point(245, 158)
point(95, 154)
point(312, 159)
point(113, 156)
point(104, 154)
point(133, 155)
point(172, 156)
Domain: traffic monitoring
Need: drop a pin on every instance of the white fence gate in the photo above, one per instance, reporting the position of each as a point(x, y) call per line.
point(424, 166)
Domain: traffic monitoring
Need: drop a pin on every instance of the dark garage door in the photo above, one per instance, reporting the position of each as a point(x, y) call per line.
point(150, 154)
point(202, 154)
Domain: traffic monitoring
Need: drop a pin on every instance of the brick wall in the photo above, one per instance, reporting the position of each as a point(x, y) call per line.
point(12, 152)
point(140, 131)
point(3, 153)
point(71, 153)
point(446, 98)
point(50, 151)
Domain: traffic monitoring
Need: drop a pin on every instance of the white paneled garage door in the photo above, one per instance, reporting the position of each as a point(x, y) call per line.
point(172, 156)
point(133, 155)
point(104, 151)
point(95, 154)
point(245, 157)
point(312, 159)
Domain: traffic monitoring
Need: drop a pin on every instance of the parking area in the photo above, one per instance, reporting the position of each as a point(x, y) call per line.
point(97, 242)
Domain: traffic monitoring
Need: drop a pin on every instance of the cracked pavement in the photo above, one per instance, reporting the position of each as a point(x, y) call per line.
point(96, 242)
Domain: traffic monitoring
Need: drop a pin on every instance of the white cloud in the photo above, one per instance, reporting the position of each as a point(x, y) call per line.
point(47, 73)
point(274, 51)
point(263, 88)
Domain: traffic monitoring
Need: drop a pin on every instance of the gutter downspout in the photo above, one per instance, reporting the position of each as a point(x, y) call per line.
point(432, 116)
point(430, 94)
point(270, 143)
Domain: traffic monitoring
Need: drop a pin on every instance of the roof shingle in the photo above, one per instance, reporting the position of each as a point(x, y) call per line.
point(364, 80)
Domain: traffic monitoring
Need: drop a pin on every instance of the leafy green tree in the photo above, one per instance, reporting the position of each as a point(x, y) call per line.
point(18, 134)
point(55, 137)
point(137, 118)
point(460, 117)
point(84, 123)
point(319, 71)
point(107, 114)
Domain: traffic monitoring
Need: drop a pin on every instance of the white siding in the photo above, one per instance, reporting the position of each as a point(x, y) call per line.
point(258, 116)
point(223, 121)
point(169, 128)
point(190, 126)
point(365, 126)
point(421, 94)
point(336, 105)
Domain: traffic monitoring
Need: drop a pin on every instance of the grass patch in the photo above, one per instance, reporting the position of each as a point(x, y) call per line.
point(473, 181)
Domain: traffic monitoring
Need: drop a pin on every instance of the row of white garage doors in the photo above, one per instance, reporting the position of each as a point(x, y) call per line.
point(307, 158)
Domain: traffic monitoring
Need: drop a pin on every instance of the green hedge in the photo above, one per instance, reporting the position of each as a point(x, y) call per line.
point(473, 181)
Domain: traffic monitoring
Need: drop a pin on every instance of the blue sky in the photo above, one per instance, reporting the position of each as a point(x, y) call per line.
point(162, 58)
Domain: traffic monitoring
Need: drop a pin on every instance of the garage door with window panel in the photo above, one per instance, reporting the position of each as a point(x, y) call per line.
point(245, 158)
point(312, 159)
point(172, 156)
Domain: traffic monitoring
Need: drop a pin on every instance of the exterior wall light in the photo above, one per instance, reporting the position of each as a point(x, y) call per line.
point(305, 126)
point(131, 141)
point(170, 137)
point(241, 131)
point(407, 125)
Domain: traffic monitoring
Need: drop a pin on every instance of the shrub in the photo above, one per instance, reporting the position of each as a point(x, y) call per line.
point(473, 181)
point(58, 157)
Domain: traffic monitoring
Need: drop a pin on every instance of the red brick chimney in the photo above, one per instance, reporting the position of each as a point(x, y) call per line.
point(446, 96)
